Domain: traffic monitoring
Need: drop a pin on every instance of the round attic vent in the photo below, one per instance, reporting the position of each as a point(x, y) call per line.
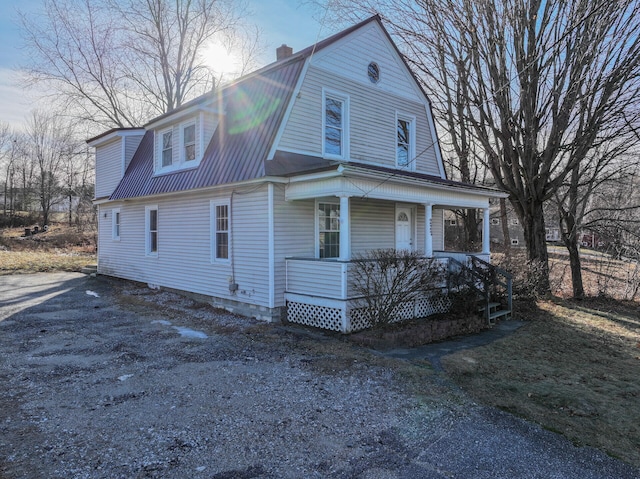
point(373, 71)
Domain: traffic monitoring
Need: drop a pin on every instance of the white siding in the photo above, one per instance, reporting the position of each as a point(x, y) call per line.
point(131, 145)
point(294, 231)
point(372, 225)
point(317, 278)
point(184, 244)
point(352, 55)
point(108, 167)
point(372, 122)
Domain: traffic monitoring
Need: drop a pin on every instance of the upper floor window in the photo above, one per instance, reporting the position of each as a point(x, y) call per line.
point(167, 148)
point(179, 146)
point(405, 142)
point(335, 115)
point(189, 140)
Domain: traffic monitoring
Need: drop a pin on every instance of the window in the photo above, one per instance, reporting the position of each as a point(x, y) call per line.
point(373, 72)
point(328, 230)
point(167, 148)
point(152, 230)
point(115, 224)
point(220, 231)
point(189, 141)
point(335, 125)
point(405, 143)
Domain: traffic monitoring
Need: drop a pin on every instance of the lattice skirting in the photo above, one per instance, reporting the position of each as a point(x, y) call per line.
point(324, 317)
point(332, 318)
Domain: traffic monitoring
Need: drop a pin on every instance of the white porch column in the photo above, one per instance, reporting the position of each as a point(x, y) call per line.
point(486, 246)
point(428, 237)
point(345, 226)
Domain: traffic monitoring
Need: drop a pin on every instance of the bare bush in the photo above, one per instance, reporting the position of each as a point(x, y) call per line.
point(385, 280)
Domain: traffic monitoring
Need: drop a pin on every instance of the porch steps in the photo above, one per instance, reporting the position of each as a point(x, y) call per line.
point(495, 312)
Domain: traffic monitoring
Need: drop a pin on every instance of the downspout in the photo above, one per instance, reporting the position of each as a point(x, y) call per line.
point(271, 245)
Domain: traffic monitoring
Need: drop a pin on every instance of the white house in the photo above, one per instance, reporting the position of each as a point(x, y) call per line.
point(257, 195)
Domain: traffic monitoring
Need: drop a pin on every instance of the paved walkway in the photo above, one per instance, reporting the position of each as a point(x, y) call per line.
point(435, 351)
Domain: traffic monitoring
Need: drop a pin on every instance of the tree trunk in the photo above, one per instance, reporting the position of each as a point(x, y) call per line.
point(576, 268)
point(536, 239)
point(506, 237)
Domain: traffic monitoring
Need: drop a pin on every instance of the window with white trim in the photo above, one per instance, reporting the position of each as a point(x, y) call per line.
point(115, 224)
point(220, 231)
point(328, 221)
point(179, 146)
point(335, 125)
point(189, 142)
point(405, 142)
point(167, 148)
point(151, 229)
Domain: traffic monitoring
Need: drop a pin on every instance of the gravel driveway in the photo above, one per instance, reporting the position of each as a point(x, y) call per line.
point(107, 379)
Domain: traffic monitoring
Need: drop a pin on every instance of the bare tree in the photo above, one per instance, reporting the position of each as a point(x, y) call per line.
point(536, 84)
point(116, 63)
point(51, 143)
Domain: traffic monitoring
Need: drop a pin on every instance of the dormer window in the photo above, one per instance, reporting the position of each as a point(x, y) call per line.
point(181, 145)
point(167, 148)
point(189, 140)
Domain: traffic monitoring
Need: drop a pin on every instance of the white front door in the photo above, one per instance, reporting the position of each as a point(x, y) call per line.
point(404, 228)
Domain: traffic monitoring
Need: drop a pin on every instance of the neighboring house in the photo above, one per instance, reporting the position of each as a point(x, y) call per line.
point(259, 194)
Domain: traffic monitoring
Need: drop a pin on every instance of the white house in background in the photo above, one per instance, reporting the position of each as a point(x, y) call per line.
point(259, 194)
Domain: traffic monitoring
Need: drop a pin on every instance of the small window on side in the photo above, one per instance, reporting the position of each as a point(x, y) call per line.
point(115, 224)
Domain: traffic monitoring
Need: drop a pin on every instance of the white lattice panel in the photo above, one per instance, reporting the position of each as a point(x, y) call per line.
point(359, 319)
point(317, 316)
point(403, 312)
point(433, 305)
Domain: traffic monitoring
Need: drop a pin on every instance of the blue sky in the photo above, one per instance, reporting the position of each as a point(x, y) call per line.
point(282, 21)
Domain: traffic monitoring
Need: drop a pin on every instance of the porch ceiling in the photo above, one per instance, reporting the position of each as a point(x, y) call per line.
point(364, 182)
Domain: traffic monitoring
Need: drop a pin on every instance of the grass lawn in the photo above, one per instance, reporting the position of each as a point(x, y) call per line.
point(61, 248)
point(12, 262)
point(574, 369)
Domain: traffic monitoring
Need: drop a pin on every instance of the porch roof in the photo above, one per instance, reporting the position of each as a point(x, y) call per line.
point(372, 181)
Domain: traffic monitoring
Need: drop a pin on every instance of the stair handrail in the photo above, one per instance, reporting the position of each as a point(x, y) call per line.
point(484, 292)
point(497, 271)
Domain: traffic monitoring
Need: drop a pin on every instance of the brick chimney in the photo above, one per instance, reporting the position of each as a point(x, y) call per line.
point(283, 51)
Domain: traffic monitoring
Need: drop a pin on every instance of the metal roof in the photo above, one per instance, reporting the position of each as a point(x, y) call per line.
point(254, 109)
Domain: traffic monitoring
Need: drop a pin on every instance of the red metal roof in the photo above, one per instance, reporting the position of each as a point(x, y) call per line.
point(254, 109)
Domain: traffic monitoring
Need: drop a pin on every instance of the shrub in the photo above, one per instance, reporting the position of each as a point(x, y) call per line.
point(385, 280)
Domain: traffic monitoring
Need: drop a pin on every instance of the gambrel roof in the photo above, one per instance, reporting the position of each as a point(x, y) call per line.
point(252, 110)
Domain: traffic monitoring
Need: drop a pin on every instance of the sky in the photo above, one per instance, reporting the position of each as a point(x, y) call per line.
point(281, 21)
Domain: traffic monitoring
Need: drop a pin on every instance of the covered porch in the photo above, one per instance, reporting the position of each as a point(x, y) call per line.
point(358, 209)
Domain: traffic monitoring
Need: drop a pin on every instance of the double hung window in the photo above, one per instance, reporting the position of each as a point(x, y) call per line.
point(335, 125)
point(405, 142)
point(328, 230)
point(151, 221)
point(167, 148)
point(220, 231)
point(189, 140)
point(115, 224)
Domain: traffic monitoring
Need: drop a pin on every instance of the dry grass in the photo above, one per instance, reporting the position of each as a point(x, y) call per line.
point(573, 369)
point(61, 248)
